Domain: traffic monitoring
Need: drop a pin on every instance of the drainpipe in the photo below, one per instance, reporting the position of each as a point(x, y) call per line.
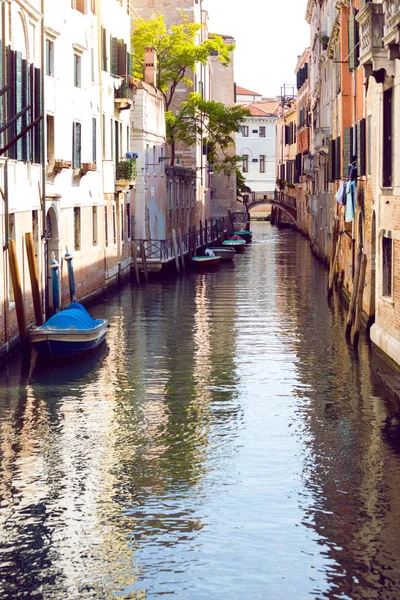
point(44, 175)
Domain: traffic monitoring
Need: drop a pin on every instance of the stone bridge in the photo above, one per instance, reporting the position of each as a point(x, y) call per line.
point(276, 198)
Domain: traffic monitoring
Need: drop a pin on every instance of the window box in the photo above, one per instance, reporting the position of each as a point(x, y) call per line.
point(88, 166)
point(60, 164)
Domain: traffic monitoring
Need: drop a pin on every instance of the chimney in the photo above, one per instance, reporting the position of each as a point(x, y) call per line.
point(150, 66)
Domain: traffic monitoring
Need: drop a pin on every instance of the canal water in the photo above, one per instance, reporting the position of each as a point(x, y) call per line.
point(225, 443)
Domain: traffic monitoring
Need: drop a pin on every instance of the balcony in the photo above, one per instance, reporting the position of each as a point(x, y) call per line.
point(373, 55)
point(124, 95)
point(391, 38)
point(321, 140)
point(125, 174)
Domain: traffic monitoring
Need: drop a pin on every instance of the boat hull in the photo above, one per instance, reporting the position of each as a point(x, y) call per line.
point(68, 343)
point(205, 262)
point(238, 245)
point(225, 254)
point(246, 235)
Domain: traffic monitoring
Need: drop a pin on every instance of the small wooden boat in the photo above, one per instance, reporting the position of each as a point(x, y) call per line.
point(225, 254)
point(205, 262)
point(69, 333)
point(246, 234)
point(238, 245)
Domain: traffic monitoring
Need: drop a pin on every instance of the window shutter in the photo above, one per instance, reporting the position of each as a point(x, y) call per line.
point(25, 117)
point(18, 100)
point(114, 56)
point(121, 58)
point(338, 161)
point(331, 160)
point(103, 49)
point(361, 156)
point(347, 148)
point(94, 139)
point(38, 110)
point(76, 145)
point(353, 42)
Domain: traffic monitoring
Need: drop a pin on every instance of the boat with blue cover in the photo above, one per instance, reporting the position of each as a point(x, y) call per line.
point(246, 234)
point(69, 333)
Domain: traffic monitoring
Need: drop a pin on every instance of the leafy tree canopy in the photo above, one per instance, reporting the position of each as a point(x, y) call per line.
point(178, 51)
point(241, 186)
point(214, 123)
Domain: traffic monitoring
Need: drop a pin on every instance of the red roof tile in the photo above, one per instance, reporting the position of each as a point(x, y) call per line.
point(243, 92)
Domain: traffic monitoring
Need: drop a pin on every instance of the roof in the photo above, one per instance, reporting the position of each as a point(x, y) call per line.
point(243, 92)
point(223, 36)
point(263, 109)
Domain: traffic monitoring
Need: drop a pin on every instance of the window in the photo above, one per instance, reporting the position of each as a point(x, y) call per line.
point(154, 160)
point(94, 225)
point(76, 145)
point(387, 155)
point(128, 219)
point(114, 223)
point(369, 140)
point(127, 138)
point(147, 160)
point(177, 194)
point(245, 164)
point(122, 214)
point(262, 132)
point(245, 131)
point(77, 70)
point(94, 139)
point(78, 5)
point(92, 64)
point(77, 228)
point(162, 161)
point(170, 193)
point(193, 194)
point(106, 226)
point(49, 58)
point(50, 142)
point(387, 253)
point(104, 57)
point(262, 163)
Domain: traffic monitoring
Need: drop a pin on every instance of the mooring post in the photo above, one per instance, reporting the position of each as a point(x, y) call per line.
point(71, 276)
point(205, 232)
point(33, 273)
point(135, 264)
point(144, 262)
point(16, 283)
point(175, 250)
point(352, 305)
point(55, 282)
point(355, 332)
point(194, 233)
point(201, 237)
point(333, 268)
point(180, 244)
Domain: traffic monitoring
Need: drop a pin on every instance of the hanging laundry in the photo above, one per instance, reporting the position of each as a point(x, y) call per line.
point(350, 201)
point(341, 193)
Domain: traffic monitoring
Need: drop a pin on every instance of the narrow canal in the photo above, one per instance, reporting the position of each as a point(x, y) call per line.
point(225, 443)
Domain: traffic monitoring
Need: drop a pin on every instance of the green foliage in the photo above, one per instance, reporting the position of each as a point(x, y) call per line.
point(211, 123)
point(176, 50)
point(126, 169)
point(241, 187)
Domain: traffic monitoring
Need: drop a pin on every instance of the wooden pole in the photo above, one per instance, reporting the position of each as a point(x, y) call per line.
point(223, 230)
point(205, 232)
point(144, 262)
point(355, 332)
point(135, 264)
point(201, 236)
point(33, 273)
point(180, 244)
point(352, 305)
point(231, 220)
point(333, 269)
point(194, 240)
point(16, 283)
point(175, 250)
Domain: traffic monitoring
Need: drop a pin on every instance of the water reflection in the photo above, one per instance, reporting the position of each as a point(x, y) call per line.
point(224, 443)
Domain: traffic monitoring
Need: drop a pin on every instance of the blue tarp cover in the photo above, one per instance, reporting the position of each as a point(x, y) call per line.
point(75, 316)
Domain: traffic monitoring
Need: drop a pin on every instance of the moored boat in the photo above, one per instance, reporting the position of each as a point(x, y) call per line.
point(246, 234)
point(205, 262)
point(238, 245)
point(69, 333)
point(225, 254)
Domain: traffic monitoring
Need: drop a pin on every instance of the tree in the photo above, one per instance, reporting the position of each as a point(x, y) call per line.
point(211, 123)
point(176, 50)
point(241, 187)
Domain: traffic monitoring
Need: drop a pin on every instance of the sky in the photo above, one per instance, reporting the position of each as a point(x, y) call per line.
point(269, 35)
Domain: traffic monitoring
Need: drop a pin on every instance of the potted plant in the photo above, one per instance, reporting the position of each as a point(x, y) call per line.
point(324, 38)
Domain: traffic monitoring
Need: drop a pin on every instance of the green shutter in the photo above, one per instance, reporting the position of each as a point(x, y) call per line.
point(24, 119)
point(37, 111)
point(114, 56)
point(121, 59)
point(331, 161)
point(94, 139)
point(347, 148)
point(352, 43)
point(338, 160)
point(361, 158)
point(103, 49)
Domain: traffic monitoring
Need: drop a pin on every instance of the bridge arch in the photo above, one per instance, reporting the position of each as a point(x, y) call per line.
point(281, 200)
